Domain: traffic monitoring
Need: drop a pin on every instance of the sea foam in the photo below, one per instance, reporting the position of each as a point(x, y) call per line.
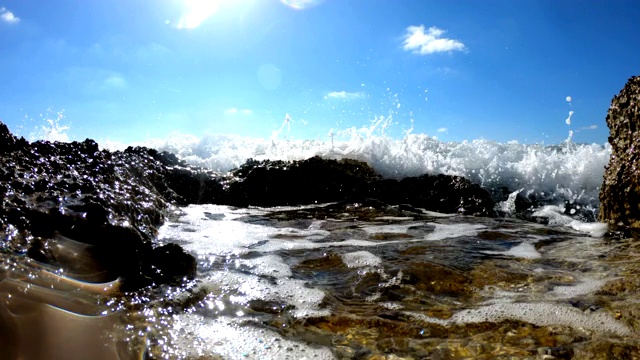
point(566, 172)
point(552, 174)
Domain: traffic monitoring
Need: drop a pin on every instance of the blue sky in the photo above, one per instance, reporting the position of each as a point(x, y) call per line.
point(499, 70)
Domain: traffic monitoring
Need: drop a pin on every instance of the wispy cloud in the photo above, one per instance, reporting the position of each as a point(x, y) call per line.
point(234, 111)
point(442, 130)
point(8, 17)
point(344, 95)
point(115, 81)
point(590, 127)
point(420, 42)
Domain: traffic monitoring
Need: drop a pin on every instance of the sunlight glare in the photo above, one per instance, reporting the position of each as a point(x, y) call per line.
point(301, 4)
point(196, 12)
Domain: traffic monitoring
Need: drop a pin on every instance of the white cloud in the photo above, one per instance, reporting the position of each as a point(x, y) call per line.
point(8, 17)
point(419, 42)
point(344, 95)
point(590, 127)
point(233, 111)
point(442, 130)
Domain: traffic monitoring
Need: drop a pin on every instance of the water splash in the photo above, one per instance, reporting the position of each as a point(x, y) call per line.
point(568, 120)
point(554, 174)
point(53, 128)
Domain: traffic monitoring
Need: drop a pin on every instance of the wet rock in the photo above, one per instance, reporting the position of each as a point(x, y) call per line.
point(183, 183)
point(115, 201)
point(442, 193)
point(173, 264)
point(111, 201)
point(436, 279)
point(317, 180)
point(620, 191)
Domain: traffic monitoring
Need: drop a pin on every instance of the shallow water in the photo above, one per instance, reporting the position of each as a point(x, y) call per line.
point(352, 281)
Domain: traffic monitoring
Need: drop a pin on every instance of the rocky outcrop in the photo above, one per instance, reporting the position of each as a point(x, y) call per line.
point(620, 191)
point(316, 181)
point(113, 202)
point(311, 181)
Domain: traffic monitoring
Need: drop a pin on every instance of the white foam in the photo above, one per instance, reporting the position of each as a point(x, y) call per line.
point(564, 172)
point(509, 206)
point(389, 229)
point(555, 215)
point(523, 250)
point(271, 265)
point(541, 314)
point(391, 305)
point(198, 336)
point(582, 287)
point(436, 214)
point(393, 218)
point(202, 236)
point(445, 231)
point(361, 259)
point(594, 229)
point(289, 291)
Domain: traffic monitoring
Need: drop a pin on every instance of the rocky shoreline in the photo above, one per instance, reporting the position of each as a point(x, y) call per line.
point(88, 220)
point(114, 202)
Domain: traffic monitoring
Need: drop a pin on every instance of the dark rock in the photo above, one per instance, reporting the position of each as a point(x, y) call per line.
point(316, 180)
point(442, 193)
point(115, 201)
point(620, 191)
point(180, 182)
point(8, 142)
point(173, 264)
point(111, 201)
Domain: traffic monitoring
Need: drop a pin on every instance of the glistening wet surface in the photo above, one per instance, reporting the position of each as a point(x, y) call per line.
point(367, 281)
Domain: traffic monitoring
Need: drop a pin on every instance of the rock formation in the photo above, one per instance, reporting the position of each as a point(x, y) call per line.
point(111, 202)
point(317, 181)
point(620, 191)
point(109, 205)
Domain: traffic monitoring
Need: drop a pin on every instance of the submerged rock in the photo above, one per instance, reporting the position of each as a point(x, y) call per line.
point(620, 191)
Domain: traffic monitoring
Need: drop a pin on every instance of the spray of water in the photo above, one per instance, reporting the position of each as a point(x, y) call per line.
point(568, 121)
point(53, 127)
point(565, 172)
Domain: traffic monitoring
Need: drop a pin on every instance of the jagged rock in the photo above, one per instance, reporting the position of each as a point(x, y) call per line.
point(8, 142)
point(115, 201)
point(182, 183)
point(620, 191)
point(111, 201)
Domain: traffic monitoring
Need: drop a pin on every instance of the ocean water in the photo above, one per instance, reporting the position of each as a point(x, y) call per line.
point(348, 281)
